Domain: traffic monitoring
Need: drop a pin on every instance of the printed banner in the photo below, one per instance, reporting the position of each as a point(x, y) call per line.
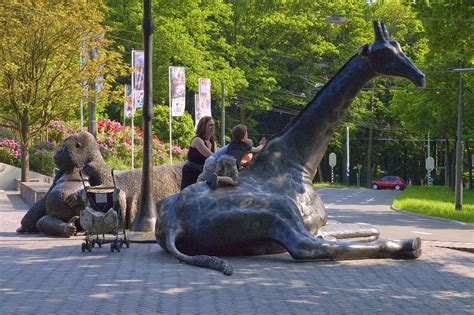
point(127, 105)
point(177, 90)
point(138, 76)
point(203, 105)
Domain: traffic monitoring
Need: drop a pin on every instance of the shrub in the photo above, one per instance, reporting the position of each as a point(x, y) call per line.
point(58, 131)
point(41, 157)
point(183, 127)
point(10, 152)
point(115, 144)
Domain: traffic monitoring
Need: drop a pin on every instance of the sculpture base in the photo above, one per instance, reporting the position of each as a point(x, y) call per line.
point(141, 237)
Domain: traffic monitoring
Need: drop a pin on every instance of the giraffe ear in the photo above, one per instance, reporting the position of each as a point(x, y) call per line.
point(364, 50)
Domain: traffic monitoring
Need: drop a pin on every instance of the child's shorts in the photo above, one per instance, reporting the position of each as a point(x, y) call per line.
point(209, 168)
point(224, 166)
point(227, 166)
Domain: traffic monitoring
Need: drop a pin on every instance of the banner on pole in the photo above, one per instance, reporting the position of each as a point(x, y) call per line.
point(177, 81)
point(127, 104)
point(203, 105)
point(138, 75)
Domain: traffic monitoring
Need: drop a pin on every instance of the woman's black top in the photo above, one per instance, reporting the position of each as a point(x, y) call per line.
point(193, 166)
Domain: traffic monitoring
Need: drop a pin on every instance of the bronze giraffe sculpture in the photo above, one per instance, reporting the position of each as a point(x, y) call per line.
point(275, 208)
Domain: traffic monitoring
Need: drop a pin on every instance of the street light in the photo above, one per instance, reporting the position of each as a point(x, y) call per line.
point(459, 169)
point(146, 217)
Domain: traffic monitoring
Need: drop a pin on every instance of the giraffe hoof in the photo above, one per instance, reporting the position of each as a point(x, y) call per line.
point(411, 248)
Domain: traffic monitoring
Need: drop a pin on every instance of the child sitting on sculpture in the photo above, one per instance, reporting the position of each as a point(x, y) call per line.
point(224, 165)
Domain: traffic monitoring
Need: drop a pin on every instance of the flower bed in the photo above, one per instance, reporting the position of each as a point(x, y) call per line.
point(114, 141)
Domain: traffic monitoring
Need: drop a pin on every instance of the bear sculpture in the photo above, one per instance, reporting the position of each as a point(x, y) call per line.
point(55, 212)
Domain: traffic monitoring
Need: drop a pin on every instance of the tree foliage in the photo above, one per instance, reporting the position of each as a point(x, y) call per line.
point(272, 55)
point(449, 33)
point(41, 74)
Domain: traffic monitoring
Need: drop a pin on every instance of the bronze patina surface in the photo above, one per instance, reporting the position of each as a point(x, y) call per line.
point(275, 208)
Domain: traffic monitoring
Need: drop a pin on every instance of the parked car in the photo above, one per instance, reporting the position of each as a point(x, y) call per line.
point(389, 182)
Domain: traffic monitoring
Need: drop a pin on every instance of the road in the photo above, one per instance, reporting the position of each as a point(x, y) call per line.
point(350, 205)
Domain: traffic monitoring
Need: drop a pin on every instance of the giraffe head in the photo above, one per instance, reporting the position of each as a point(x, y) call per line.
point(387, 58)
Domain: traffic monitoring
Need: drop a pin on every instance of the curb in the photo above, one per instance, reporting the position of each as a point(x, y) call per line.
point(430, 217)
point(465, 247)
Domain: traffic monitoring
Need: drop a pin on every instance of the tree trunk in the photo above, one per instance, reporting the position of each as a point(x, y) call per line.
point(25, 160)
point(320, 174)
point(25, 142)
point(452, 168)
point(446, 163)
point(469, 163)
point(92, 115)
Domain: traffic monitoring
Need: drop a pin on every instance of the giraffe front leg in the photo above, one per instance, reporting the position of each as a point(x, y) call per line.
point(303, 246)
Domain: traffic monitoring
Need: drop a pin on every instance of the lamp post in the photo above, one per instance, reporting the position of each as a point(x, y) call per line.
point(146, 217)
point(459, 148)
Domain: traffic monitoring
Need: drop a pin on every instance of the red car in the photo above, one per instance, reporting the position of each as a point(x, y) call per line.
point(389, 182)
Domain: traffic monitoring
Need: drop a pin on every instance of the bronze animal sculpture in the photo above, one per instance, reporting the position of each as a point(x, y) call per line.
point(275, 208)
point(55, 212)
point(52, 214)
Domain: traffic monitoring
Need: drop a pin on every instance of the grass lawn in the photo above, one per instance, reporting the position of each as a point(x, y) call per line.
point(335, 185)
point(436, 201)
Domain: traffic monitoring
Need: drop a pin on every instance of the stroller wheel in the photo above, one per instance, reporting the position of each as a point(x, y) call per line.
point(112, 247)
point(89, 247)
point(83, 247)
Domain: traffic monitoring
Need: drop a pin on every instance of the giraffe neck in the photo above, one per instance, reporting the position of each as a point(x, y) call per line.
point(302, 145)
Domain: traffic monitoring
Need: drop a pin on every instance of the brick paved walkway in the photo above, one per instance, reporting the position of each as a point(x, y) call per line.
point(43, 275)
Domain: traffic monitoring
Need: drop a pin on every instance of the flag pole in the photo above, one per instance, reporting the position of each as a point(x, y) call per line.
point(171, 117)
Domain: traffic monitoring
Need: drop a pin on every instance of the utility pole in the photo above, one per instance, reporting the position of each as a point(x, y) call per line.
point(429, 159)
point(348, 164)
point(369, 145)
point(91, 112)
point(459, 148)
point(146, 217)
point(83, 86)
point(92, 108)
point(429, 145)
point(459, 174)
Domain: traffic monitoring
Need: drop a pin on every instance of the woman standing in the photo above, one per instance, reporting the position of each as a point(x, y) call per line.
point(202, 146)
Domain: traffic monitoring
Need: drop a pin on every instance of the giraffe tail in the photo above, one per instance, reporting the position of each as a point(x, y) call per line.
point(169, 242)
point(205, 261)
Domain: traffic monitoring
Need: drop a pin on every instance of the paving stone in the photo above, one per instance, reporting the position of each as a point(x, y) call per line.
point(45, 275)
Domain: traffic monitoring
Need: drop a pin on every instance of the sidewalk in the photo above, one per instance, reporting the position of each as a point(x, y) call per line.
point(44, 275)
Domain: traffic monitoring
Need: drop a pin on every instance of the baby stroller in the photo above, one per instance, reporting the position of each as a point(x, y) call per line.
point(102, 215)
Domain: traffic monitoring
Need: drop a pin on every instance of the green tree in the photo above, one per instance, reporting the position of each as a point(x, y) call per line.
point(182, 127)
point(448, 31)
point(40, 78)
point(186, 33)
